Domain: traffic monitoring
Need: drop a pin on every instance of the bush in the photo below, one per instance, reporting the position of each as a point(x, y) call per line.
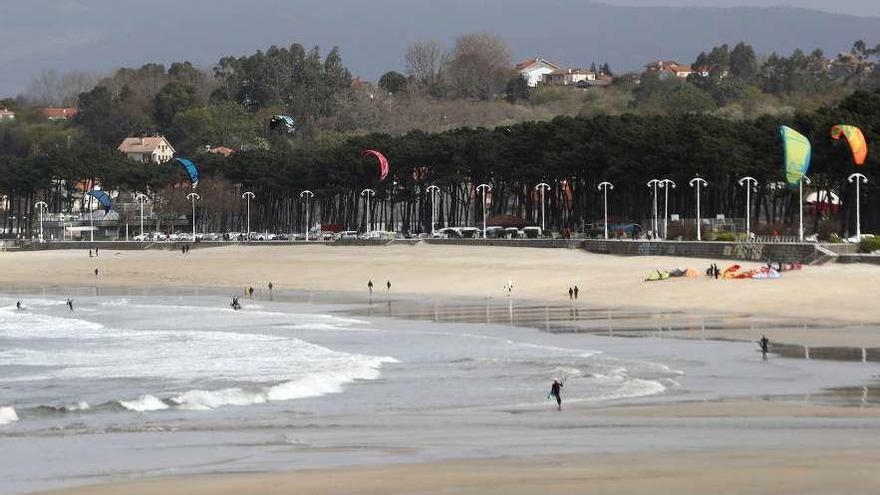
point(725, 237)
point(869, 244)
point(835, 239)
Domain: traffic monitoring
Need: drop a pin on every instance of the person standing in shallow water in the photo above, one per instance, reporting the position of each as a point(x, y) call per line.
point(556, 391)
point(576, 290)
point(570, 293)
point(388, 285)
point(765, 345)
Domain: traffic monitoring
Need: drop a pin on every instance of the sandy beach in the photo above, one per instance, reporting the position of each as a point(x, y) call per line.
point(834, 292)
point(733, 425)
point(742, 472)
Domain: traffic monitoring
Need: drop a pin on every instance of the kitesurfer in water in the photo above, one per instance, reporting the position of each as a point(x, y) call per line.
point(556, 391)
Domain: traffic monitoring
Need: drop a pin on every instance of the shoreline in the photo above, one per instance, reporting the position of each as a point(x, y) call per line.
point(836, 340)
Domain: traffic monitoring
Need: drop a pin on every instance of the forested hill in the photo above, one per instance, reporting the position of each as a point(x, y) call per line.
point(105, 34)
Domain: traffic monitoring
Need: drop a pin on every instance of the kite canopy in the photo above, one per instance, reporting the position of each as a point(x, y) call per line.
point(383, 162)
point(284, 123)
point(798, 152)
point(102, 198)
point(191, 169)
point(856, 141)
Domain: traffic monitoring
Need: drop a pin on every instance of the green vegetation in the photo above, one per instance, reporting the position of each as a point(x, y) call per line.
point(467, 117)
point(869, 244)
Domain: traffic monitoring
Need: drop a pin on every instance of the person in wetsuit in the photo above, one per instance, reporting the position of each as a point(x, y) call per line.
point(556, 391)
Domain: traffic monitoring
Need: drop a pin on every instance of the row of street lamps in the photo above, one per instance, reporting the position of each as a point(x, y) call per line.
point(750, 183)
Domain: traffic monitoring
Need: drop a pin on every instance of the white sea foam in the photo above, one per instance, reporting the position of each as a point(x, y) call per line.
point(7, 415)
point(273, 367)
point(144, 404)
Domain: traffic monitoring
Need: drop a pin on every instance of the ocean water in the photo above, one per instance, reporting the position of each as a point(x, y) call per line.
point(153, 385)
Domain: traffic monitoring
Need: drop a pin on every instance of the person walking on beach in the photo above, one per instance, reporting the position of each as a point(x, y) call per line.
point(96, 273)
point(570, 294)
point(270, 286)
point(576, 290)
point(388, 285)
point(90, 253)
point(251, 292)
point(70, 304)
point(96, 252)
point(556, 391)
point(370, 285)
point(765, 345)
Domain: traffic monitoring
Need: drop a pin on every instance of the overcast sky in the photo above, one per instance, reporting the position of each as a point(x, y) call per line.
point(98, 36)
point(852, 7)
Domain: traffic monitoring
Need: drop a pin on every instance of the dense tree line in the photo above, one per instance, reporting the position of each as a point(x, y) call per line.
point(572, 154)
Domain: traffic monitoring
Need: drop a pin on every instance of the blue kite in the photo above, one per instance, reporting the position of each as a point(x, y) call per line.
point(102, 198)
point(191, 169)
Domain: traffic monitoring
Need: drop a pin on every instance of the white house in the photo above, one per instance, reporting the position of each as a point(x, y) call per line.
point(667, 68)
point(147, 149)
point(568, 77)
point(534, 69)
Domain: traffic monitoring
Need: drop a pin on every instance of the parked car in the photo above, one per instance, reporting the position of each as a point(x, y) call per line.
point(347, 234)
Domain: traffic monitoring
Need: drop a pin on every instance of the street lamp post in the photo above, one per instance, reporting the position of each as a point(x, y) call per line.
point(604, 187)
point(483, 189)
point(852, 178)
point(801, 206)
point(91, 220)
point(249, 196)
point(41, 205)
point(307, 196)
point(433, 190)
point(368, 193)
point(193, 197)
point(542, 187)
point(141, 198)
point(666, 184)
point(654, 183)
point(697, 182)
point(749, 183)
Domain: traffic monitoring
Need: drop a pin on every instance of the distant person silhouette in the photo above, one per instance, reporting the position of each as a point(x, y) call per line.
point(570, 294)
point(96, 273)
point(70, 304)
point(251, 292)
point(18, 306)
point(370, 286)
point(765, 345)
point(576, 290)
point(388, 285)
point(270, 286)
point(556, 391)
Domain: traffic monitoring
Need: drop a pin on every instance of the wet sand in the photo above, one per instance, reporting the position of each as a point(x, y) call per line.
point(674, 473)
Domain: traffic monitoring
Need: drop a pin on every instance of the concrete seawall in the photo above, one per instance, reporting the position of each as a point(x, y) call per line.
point(741, 251)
